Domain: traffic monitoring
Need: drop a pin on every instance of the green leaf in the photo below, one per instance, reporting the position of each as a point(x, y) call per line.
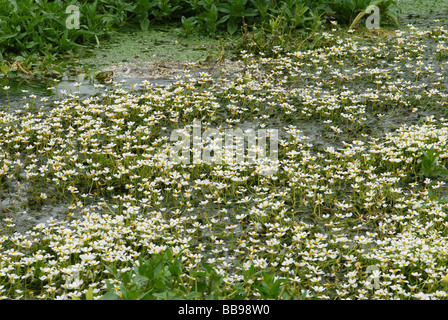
point(223, 19)
point(140, 280)
point(232, 27)
point(148, 295)
point(129, 293)
point(4, 69)
point(111, 296)
point(161, 295)
point(213, 13)
point(176, 267)
point(197, 274)
point(192, 295)
point(13, 35)
point(144, 24)
point(202, 286)
point(89, 294)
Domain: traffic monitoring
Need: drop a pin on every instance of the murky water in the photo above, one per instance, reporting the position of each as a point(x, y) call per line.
point(14, 203)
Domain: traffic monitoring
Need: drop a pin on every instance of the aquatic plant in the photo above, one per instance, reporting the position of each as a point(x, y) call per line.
point(339, 206)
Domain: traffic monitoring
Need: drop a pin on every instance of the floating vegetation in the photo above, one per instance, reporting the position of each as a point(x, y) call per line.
point(356, 209)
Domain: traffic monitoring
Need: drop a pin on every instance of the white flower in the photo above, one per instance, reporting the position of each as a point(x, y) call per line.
point(87, 257)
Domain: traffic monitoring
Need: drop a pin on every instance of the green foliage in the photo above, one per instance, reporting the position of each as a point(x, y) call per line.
point(39, 27)
point(188, 24)
point(385, 7)
point(161, 278)
point(391, 10)
point(141, 10)
point(152, 279)
point(271, 287)
point(210, 19)
point(346, 10)
point(237, 10)
point(35, 25)
point(430, 167)
point(36, 30)
point(165, 9)
point(287, 29)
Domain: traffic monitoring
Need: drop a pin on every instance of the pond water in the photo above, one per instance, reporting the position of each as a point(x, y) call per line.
point(14, 202)
point(20, 92)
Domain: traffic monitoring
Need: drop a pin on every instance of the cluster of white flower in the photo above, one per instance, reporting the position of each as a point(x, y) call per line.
point(320, 221)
